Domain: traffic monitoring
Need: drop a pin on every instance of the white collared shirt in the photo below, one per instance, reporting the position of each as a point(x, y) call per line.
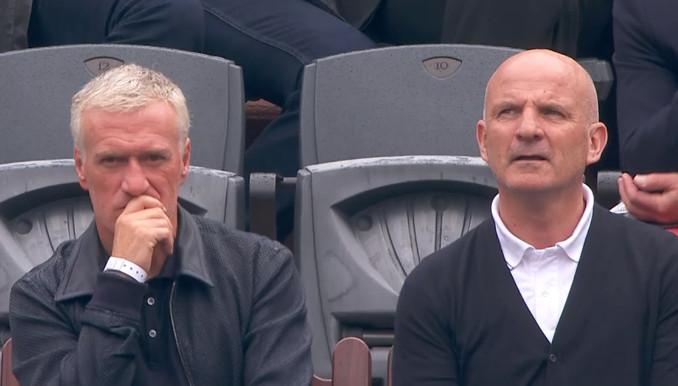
point(544, 276)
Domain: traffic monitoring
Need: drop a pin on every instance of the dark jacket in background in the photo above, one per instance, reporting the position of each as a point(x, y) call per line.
point(14, 18)
point(646, 60)
point(579, 28)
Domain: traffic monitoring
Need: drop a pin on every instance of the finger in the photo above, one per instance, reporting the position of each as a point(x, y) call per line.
point(143, 202)
point(137, 244)
point(640, 204)
point(656, 182)
point(144, 214)
point(168, 245)
point(626, 188)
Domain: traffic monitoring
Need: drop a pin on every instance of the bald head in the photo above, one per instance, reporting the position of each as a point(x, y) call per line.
point(542, 66)
point(540, 127)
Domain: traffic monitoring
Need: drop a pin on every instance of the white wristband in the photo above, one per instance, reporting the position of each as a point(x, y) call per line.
point(127, 267)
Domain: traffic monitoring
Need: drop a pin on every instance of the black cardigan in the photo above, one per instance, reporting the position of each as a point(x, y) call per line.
point(461, 320)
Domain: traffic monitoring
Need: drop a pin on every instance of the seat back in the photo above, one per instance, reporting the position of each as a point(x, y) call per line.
point(406, 100)
point(363, 225)
point(42, 205)
point(7, 377)
point(351, 365)
point(37, 86)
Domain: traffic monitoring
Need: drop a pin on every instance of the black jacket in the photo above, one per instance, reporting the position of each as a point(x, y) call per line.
point(237, 310)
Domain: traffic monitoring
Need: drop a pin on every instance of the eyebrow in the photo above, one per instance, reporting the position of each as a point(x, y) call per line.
point(503, 105)
point(116, 153)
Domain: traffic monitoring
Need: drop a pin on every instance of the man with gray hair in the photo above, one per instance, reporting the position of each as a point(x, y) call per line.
point(552, 289)
point(150, 294)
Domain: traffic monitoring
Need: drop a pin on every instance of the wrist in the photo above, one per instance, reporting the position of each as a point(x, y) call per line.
point(127, 267)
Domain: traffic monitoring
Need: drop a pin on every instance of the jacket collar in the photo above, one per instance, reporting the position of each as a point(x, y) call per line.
point(89, 258)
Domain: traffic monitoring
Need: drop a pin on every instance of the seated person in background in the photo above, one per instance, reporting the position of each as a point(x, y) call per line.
point(552, 289)
point(149, 294)
point(646, 60)
point(576, 28)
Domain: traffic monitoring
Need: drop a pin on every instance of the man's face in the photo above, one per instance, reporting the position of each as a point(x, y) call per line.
point(538, 134)
point(129, 154)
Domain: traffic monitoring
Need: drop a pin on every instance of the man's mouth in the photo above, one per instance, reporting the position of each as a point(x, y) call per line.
point(534, 157)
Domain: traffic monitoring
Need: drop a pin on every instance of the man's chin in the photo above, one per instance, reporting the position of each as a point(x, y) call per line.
point(529, 183)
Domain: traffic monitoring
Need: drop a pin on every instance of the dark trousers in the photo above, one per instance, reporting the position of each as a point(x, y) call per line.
point(272, 40)
point(165, 23)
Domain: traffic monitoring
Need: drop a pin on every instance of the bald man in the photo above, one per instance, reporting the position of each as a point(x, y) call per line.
point(552, 289)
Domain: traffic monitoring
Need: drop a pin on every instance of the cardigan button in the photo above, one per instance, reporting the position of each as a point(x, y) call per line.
point(553, 358)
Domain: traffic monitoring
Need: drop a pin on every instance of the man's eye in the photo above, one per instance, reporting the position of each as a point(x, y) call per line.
point(506, 112)
point(109, 160)
point(554, 113)
point(155, 158)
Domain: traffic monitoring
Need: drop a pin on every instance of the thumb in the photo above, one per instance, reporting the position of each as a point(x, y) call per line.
point(655, 182)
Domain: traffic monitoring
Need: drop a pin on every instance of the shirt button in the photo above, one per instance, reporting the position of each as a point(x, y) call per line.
point(150, 301)
point(152, 333)
point(553, 358)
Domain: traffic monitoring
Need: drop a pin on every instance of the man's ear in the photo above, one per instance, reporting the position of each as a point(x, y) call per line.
point(79, 168)
point(481, 134)
point(186, 159)
point(597, 139)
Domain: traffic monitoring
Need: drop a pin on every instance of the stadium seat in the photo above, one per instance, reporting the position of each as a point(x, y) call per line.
point(42, 205)
point(363, 225)
point(37, 86)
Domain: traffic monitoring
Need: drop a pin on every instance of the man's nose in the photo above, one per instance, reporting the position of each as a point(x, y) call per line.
point(529, 127)
point(135, 182)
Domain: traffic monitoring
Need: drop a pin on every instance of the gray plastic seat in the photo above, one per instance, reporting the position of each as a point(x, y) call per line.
point(406, 100)
point(37, 86)
point(363, 225)
point(42, 205)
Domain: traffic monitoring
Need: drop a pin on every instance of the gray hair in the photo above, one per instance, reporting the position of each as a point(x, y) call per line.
point(127, 88)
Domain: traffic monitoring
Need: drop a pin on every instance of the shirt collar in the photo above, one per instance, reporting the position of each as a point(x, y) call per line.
point(514, 248)
point(89, 258)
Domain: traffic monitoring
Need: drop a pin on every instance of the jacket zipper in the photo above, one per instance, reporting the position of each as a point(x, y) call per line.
point(174, 332)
